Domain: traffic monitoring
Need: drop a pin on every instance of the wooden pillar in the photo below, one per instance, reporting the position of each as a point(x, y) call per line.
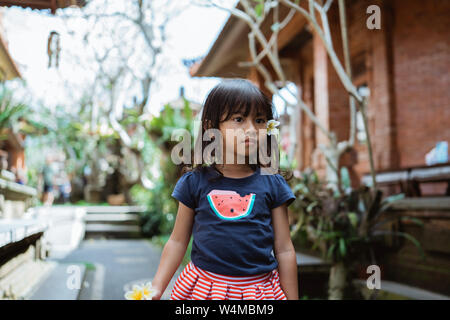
point(321, 101)
point(255, 77)
point(382, 106)
point(331, 98)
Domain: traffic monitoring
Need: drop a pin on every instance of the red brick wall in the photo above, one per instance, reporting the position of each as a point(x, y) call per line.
point(407, 70)
point(422, 77)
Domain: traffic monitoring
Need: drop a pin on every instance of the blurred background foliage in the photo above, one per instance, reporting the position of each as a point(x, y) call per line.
point(160, 215)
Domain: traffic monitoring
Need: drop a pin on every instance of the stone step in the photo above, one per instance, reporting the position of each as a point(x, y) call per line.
point(63, 283)
point(13, 263)
point(112, 218)
point(100, 227)
point(113, 209)
point(19, 283)
point(118, 231)
point(402, 291)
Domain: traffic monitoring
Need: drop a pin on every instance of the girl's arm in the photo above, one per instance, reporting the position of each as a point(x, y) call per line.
point(285, 252)
point(174, 250)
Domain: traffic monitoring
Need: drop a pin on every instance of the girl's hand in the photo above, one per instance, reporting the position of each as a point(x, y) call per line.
point(157, 294)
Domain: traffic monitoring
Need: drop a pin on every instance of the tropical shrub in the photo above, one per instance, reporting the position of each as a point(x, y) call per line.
point(345, 227)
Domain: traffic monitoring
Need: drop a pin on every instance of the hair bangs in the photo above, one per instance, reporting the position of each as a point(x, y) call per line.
point(244, 98)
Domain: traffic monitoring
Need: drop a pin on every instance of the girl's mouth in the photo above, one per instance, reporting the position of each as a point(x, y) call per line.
point(249, 141)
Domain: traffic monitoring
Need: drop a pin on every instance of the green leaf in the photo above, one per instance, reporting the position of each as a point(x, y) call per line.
point(391, 219)
point(187, 110)
point(330, 251)
point(311, 206)
point(413, 240)
point(411, 219)
point(342, 248)
point(259, 9)
point(315, 245)
point(388, 201)
point(353, 217)
point(345, 178)
point(404, 235)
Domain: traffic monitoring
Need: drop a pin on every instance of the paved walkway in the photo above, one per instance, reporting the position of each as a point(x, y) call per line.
point(118, 264)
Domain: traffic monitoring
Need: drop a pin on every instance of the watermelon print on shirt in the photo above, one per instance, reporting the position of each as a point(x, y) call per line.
point(229, 205)
point(231, 238)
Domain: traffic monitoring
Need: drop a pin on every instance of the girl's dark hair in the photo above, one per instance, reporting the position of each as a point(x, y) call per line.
point(229, 97)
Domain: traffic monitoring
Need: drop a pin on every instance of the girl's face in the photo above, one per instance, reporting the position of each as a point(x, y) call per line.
point(244, 134)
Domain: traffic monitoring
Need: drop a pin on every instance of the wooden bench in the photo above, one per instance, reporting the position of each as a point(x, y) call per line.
point(313, 274)
point(311, 263)
point(409, 179)
point(113, 221)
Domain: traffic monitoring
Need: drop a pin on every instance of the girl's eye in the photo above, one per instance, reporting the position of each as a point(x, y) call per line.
point(238, 119)
point(260, 120)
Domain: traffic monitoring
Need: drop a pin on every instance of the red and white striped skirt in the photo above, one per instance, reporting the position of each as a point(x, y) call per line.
point(198, 284)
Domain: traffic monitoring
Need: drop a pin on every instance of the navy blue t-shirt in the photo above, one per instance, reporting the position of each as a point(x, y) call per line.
point(232, 231)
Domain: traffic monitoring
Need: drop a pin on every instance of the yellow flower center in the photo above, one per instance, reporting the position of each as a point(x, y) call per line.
point(137, 295)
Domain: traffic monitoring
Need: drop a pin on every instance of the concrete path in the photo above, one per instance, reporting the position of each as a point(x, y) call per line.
point(59, 285)
point(112, 267)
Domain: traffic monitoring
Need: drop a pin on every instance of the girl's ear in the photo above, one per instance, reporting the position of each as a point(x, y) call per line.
point(207, 125)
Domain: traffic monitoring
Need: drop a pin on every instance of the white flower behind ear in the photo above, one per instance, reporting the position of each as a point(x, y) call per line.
point(271, 127)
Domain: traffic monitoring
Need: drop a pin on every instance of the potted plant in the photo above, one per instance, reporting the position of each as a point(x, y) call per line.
point(346, 227)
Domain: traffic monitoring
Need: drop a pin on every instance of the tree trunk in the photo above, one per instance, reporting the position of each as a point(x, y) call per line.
point(337, 281)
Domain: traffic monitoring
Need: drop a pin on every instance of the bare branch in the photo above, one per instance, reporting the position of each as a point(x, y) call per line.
point(250, 11)
point(348, 67)
point(327, 5)
point(334, 59)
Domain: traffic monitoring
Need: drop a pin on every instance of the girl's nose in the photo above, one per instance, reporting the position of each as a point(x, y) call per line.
point(250, 126)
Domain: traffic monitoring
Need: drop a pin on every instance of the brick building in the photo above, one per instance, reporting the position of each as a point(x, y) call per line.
point(405, 65)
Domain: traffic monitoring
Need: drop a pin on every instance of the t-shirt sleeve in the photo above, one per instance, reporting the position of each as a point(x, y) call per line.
point(184, 190)
point(282, 192)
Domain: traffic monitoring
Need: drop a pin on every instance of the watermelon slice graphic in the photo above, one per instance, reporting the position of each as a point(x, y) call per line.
point(229, 205)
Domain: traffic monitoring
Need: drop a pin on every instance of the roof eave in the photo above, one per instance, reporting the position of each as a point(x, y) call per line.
point(223, 50)
point(12, 71)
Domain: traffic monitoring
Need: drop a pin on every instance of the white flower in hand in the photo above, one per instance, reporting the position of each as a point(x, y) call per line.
point(135, 294)
point(271, 127)
point(148, 291)
point(141, 292)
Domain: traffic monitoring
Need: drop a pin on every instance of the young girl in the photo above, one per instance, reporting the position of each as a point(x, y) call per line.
point(237, 215)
